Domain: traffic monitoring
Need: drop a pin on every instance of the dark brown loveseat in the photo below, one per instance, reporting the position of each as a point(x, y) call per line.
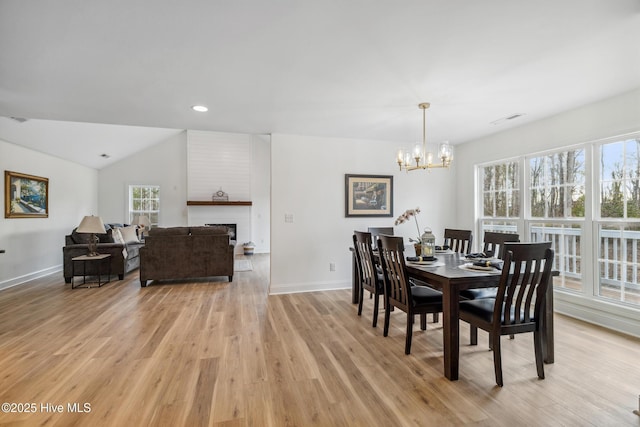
point(186, 252)
point(124, 257)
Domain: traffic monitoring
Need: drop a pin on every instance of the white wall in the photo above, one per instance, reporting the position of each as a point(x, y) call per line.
point(615, 116)
point(261, 194)
point(308, 181)
point(34, 245)
point(164, 164)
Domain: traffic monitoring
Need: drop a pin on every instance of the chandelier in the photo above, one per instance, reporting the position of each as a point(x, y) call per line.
point(419, 157)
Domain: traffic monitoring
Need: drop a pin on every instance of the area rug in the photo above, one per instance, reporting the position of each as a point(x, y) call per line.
point(242, 265)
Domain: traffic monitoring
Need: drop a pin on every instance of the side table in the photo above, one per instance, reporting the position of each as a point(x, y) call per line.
point(98, 260)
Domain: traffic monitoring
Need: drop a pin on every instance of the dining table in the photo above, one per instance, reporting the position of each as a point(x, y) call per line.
point(450, 274)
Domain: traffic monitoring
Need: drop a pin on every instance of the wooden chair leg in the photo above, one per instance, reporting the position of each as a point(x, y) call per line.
point(473, 335)
point(376, 305)
point(387, 315)
point(538, 346)
point(423, 321)
point(407, 346)
point(497, 359)
point(436, 317)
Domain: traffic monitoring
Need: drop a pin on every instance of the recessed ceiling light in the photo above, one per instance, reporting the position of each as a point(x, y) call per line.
point(200, 108)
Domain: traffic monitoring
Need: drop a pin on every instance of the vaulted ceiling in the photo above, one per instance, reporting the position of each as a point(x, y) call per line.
point(333, 68)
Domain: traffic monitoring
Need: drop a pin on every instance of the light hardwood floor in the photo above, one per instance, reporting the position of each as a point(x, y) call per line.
point(225, 354)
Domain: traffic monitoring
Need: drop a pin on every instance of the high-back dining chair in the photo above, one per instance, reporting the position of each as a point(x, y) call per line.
point(399, 292)
point(519, 306)
point(458, 240)
point(370, 278)
point(378, 231)
point(494, 242)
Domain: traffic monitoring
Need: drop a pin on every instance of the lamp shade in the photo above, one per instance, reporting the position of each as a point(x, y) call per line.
point(142, 220)
point(91, 224)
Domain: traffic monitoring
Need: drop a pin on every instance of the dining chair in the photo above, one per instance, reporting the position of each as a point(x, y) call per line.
point(493, 244)
point(398, 291)
point(370, 279)
point(458, 240)
point(377, 231)
point(519, 306)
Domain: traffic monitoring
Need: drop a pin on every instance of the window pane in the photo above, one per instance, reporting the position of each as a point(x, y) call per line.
point(557, 183)
point(144, 200)
point(620, 179)
point(565, 241)
point(618, 263)
point(500, 196)
point(488, 204)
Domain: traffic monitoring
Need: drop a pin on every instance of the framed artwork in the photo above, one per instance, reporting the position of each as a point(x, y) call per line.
point(368, 195)
point(25, 196)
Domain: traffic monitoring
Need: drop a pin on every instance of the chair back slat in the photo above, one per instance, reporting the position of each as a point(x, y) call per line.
point(494, 242)
point(523, 283)
point(391, 252)
point(458, 240)
point(364, 253)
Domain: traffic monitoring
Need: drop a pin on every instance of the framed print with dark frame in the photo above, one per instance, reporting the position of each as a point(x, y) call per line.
point(25, 196)
point(368, 195)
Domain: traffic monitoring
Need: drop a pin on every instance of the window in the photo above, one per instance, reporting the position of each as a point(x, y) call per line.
point(620, 179)
point(586, 201)
point(619, 222)
point(500, 197)
point(144, 200)
point(557, 185)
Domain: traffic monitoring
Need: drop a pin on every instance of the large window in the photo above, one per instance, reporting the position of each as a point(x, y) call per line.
point(144, 200)
point(586, 201)
point(619, 222)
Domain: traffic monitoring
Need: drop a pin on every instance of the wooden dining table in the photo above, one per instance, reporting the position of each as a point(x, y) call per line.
point(447, 276)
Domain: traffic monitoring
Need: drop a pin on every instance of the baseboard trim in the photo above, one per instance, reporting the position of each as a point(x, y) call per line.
point(598, 312)
point(293, 288)
point(31, 276)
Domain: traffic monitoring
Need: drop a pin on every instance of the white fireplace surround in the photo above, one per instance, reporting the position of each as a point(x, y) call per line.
point(239, 215)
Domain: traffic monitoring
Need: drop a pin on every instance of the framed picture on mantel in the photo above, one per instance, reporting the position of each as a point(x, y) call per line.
point(368, 195)
point(25, 196)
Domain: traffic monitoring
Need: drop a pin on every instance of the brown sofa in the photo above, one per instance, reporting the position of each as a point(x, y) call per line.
point(124, 257)
point(186, 252)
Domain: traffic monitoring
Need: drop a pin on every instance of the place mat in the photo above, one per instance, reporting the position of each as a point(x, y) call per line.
point(479, 268)
point(427, 263)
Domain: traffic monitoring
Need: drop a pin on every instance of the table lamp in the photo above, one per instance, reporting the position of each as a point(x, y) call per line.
point(143, 222)
point(92, 225)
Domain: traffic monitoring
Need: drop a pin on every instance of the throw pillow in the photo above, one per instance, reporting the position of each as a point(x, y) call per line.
point(117, 236)
point(129, 234)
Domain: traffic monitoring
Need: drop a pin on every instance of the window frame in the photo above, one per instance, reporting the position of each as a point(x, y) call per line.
point(151, 213)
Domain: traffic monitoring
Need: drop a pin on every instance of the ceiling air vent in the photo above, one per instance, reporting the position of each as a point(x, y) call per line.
point(504, 119)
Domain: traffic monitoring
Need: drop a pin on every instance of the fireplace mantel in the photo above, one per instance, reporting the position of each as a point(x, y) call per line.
point(217, 203)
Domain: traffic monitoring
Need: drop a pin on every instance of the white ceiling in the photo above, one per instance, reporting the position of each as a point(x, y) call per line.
point(333, 68)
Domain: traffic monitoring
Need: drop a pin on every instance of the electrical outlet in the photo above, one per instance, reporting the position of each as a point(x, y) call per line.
point(288, 218)
point(332, 266)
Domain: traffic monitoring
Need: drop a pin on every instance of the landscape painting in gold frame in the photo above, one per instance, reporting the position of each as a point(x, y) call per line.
point(25, 196)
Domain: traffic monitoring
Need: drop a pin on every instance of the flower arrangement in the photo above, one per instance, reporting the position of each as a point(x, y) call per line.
point(406, 216)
